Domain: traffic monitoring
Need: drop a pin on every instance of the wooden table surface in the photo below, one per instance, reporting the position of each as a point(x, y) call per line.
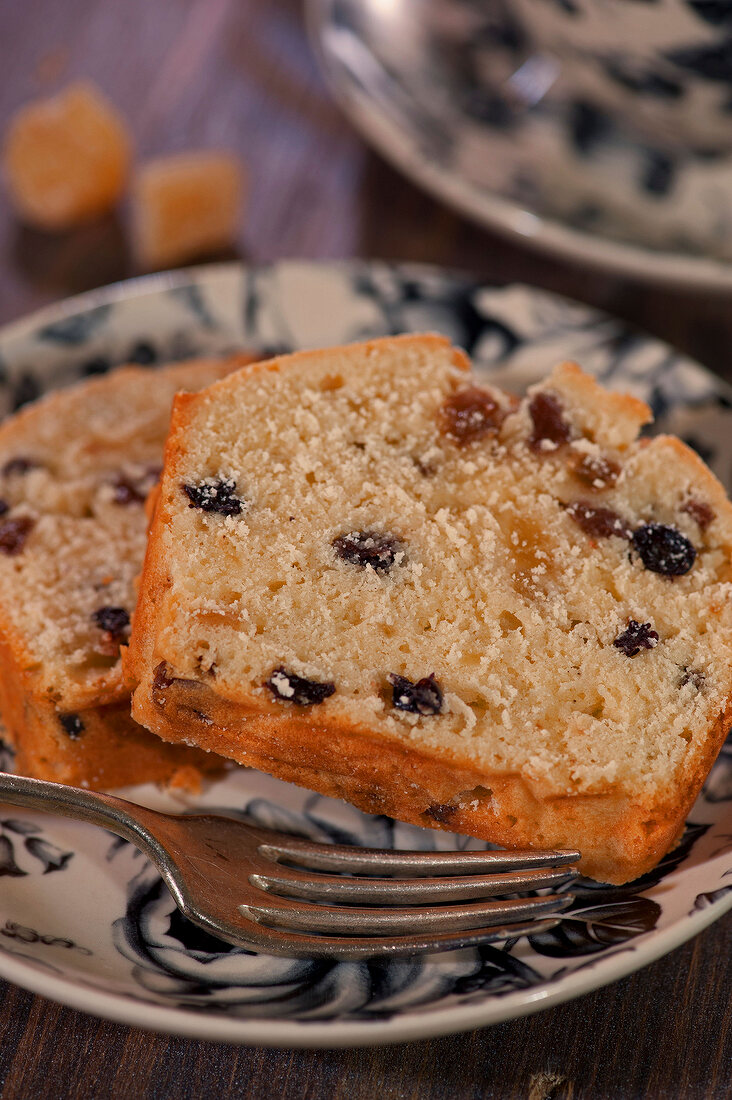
point(239, 74)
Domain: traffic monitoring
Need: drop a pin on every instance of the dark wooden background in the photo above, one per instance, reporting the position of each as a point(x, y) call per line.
point(239, 74)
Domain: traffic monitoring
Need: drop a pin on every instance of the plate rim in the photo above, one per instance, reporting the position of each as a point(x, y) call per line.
point(413, 1024)
point(518, 223)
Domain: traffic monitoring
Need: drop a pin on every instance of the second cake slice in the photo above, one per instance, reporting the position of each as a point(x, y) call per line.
point(75, 468)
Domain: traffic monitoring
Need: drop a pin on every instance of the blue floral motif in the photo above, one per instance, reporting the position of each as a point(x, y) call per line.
point(17, 837)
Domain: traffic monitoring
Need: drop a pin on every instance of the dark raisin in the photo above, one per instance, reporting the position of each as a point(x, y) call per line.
point(113, 620)
point(134, 490)
point(599, 522)
point(470, 414)
point(422, 697)
point(296, 689)
point(215, 496)
point(635, 637)
point(692, 676)
point(4, 507)
point(369, 548)
point(699, 511)
point(663, 549)
point(125, 492)
point(13, 534)
point(72, 725)
point(596, 472)
point(19, 465)
point(441, 811)
point(549, 427)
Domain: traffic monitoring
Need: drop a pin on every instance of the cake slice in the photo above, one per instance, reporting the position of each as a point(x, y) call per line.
point(75, 469)
point(373, 575)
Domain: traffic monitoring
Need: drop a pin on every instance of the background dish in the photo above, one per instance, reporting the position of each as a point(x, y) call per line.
point(123, 951)
point(449, 91)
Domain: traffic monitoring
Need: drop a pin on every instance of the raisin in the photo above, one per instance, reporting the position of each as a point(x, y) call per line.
point(692, 676)
point(635, 637)
point(599, 522)
point(549, 425)
point(441, 811)
point(4, 507)
point(470, 414)
point(162, 679)
point(19, 465)
point(369, 548)
point(125, 492)
point(215, 495)
point(72, 725)
point(112, 620)
point(699, 511)
point(290, 688)
point(422, 697)
point(134, 490)
point(664, 550)
point(596, 472)
point(13, 534)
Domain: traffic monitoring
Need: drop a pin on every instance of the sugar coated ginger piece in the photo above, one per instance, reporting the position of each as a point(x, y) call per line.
point(66, 158)
point(184, 206)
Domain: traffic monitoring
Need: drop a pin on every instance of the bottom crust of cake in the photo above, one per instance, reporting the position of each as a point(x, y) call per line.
point(620, 836)
point(99, 747)
point(111, 751)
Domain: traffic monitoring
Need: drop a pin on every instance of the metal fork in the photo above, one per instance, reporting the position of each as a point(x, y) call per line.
point(265, 890)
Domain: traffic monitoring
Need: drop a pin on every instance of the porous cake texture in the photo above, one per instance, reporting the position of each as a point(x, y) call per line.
point(373, 575)
point(75, 469)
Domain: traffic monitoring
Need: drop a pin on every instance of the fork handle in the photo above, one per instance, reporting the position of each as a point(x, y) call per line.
point(120, 817)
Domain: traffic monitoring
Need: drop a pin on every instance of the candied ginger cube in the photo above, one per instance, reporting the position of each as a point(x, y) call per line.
point(184, 206)
point(66, 158)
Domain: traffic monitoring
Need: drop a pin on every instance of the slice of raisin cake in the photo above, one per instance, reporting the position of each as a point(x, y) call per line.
point(372, 575)
point(75, 469)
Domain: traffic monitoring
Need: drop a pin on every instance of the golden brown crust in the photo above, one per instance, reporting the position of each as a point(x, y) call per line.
point(622, 836)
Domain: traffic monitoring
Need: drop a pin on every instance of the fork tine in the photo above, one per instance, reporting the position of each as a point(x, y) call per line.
point(293, 883)
point(328, 857)
point(295, 945)
point(320, 918)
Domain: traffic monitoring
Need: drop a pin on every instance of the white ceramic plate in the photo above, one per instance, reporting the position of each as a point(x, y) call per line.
point(84, 918)
point(450, 92)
